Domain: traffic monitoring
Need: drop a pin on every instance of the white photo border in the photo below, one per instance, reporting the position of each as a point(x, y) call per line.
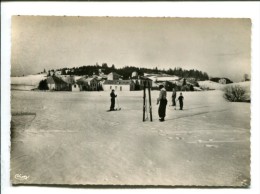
point(134, 9)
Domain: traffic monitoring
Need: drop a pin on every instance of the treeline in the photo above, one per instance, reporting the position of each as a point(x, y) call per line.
point(126, 71)
point(198, 75)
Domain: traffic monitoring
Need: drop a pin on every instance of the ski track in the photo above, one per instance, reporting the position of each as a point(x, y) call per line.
point(196, 114)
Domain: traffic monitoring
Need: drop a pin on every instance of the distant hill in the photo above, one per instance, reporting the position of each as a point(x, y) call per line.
point(28, 82)
point(127, 71)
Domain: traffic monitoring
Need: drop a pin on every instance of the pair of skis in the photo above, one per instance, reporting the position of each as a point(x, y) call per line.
point(118, 107)
point(147, 83)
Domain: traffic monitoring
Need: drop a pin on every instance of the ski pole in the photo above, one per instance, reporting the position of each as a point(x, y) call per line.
point(118, 104)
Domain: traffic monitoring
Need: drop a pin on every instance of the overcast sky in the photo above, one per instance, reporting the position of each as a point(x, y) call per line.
point(220, 47)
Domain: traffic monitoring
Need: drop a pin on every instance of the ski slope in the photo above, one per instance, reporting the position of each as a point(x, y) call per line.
point(69, 138)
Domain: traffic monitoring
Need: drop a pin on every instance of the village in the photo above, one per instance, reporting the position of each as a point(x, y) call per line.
point(56, 80)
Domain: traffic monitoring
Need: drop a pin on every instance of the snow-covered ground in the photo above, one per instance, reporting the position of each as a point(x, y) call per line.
point(217, 86)
point(70, 138)
point(27, 82)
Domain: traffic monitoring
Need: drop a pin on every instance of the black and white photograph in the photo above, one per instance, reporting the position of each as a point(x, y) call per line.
point(130, 101)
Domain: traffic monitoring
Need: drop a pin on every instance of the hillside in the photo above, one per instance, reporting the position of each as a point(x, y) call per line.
point(127, 71)
point(217, 86)
point(27, 82)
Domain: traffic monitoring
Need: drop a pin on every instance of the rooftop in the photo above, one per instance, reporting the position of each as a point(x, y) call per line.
point(117, 82)
point(55, 80)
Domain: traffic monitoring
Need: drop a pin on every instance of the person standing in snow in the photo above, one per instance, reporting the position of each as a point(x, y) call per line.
point(113, 97)
point(163, 102)
point(181, 101)
point(174, 97)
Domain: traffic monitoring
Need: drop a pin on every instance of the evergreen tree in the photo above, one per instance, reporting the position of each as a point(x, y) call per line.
point(184, 82)
point(43, 85)
point(104, 65)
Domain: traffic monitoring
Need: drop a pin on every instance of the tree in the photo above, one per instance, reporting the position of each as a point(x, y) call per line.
point(246, 77)
point(235, 94)
point(156, 70)
point(104, 65)
point(43, 85)
point(63, 71)
point(184, 82)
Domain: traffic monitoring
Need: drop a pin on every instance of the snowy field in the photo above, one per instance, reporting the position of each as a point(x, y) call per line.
point(70, 138)
point(28, 82)
point(217, 86)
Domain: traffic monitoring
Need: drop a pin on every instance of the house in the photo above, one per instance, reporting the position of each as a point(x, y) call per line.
point(167, 80)
point(56, 83)
point(118, 85)
point(140, 82)
point(62, 83)
point(185, 84)
point(161, 77)
point(113, 76)
point(75, 86)
point(222, 81)
point(88, 84)
point(134, 74)
point(70, 80)
point(58, 72)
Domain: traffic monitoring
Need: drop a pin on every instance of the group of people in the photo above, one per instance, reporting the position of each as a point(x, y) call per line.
point(162, 101)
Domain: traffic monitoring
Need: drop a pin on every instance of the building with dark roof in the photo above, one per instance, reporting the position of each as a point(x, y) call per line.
point(88, 84)
point(56, 83)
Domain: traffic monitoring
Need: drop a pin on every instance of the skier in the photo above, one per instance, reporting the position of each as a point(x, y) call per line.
point(113, 96)
point(174, 98)
point(163, 102)
point(181, 101)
